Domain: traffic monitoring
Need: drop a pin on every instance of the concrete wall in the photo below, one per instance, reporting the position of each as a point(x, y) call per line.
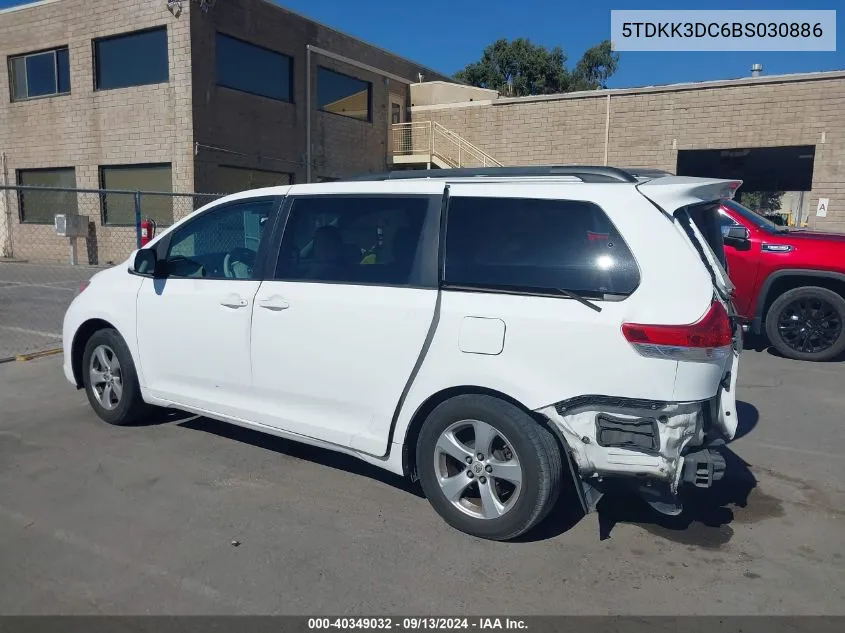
point(648, 126)
point(440, 92)
point(86, 128)
point(269, 134)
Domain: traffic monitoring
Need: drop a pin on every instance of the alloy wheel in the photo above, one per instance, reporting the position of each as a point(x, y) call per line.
point(106, 377)
point(478, 470)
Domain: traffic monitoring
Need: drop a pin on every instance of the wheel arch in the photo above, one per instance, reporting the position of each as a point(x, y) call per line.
point(412, 432)
point(83, 333)
point(781, 281)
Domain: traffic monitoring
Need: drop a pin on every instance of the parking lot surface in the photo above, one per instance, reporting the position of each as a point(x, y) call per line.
point(142, 520)
point(33, 300)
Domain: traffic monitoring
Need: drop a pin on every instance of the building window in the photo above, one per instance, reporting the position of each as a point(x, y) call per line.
point(131, 59)
point(119, 208)
point(344, 95)
point(234, 179)
point(40, 207)
point(39, 74)
point(253, 69)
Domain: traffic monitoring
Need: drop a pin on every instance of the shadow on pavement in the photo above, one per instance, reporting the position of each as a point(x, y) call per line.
point(563, 517)
point(771, 351)
point(748, 416)
point(708, 512)
point(760, 343)
point(321, 456)
point(158, 416)
point(705, 521)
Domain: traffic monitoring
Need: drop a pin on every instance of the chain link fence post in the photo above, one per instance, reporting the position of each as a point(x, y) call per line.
point(138, 219)
point(97, 228)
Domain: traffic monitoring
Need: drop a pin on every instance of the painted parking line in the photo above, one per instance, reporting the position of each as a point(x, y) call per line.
point(16, 284)
point(22, 330)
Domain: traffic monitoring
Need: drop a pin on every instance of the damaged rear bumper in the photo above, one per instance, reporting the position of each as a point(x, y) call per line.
point(656, 446)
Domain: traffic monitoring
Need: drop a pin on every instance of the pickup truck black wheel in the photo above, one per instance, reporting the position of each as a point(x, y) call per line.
point(487, 467)
point(807, 324)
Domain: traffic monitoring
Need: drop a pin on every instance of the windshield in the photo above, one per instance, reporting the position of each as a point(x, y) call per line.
point(755, 218)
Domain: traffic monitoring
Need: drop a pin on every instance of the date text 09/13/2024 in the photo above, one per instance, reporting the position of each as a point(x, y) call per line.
point(417, 623)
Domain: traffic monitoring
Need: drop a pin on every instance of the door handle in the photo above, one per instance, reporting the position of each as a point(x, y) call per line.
point(275, 303)
point(233, 301)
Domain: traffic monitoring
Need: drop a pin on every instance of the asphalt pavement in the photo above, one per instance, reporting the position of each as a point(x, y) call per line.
point(190, 516)
point(33, 300)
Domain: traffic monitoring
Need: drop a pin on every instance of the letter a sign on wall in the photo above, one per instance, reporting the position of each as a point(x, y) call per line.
point(821, 210)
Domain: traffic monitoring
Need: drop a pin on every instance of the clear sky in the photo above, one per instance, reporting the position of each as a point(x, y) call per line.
point(447, 34)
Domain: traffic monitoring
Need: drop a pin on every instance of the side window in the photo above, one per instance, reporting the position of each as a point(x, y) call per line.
point(221, 243)
point(726, 222)
point(531, 244)
point(353, 239)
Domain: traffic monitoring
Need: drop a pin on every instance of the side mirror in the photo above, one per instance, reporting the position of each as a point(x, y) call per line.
point(146, 262)
point(737, 236)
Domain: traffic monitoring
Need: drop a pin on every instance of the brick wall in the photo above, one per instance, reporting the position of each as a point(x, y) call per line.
point(272, 134)
point(86, 128)
point(649, 126)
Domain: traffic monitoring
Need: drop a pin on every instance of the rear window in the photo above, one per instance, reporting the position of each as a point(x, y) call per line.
point(529, 244)
point(703, 225)
point(707, 219)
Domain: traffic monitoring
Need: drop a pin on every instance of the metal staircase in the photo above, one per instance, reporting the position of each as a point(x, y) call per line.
point(427, 144)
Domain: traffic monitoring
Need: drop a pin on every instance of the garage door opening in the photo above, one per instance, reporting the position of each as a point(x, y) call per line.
point(775, 179)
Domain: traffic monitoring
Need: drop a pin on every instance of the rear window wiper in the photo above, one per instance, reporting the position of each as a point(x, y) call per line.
point(522, 291)
point(579, 299)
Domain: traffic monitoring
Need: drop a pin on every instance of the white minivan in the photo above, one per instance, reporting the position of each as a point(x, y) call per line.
point(488, 332)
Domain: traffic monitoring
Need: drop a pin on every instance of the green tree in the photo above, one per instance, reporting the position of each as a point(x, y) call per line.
point(518, 68)
point(595, 67)
point(765, 201)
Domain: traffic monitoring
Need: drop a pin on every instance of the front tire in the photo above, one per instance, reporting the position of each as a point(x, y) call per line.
point(110, 379)
point(806, 323)
point(487, 467)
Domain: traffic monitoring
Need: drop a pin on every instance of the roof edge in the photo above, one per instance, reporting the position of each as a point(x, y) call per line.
point(700, 85)
point(27, 5)
point(275, 4)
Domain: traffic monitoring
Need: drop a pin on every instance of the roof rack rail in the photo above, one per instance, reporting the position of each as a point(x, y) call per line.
point(647, 172)
point(586, 173)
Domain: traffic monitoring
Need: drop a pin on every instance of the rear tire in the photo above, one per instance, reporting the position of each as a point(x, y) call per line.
point(513, 479)
point(110, 379)
point(806, 323)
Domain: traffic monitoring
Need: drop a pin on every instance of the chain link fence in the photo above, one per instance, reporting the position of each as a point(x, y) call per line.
point(51, 239)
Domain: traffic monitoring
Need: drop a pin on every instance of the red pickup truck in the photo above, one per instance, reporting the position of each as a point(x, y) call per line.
point(790, 282)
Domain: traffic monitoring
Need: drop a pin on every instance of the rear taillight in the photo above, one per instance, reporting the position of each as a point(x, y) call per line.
point(709, 338)
point(83, 285)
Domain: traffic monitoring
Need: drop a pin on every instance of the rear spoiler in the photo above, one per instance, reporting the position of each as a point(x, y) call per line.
point(670, 193)
point(673, 193)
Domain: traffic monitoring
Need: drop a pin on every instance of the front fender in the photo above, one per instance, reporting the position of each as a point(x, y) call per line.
point(766, 286)
point(111, 298)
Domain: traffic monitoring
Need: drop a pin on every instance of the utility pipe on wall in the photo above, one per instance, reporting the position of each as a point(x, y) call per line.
point(6, 216)
point(308, 113)
point(606, 127)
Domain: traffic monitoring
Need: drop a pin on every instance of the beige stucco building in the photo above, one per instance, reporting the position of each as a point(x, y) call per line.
point(161, 95)
point(777, 133)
